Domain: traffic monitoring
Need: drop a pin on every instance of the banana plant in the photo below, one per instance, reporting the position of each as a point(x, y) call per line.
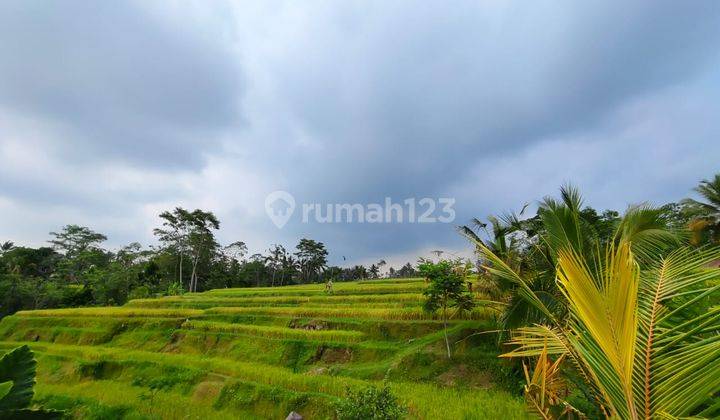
point(17, 378)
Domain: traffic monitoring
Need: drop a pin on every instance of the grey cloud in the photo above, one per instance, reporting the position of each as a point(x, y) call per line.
point(418, 84)
point(494, 103)
point(126, 83)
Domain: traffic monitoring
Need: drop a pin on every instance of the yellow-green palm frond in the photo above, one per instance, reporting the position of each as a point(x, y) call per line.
point(533, 341)
point(604, 322)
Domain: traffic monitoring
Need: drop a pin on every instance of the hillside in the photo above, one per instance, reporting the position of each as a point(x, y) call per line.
point(261, 353)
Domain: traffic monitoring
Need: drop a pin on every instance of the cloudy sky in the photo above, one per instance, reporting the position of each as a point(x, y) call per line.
point(111, 112)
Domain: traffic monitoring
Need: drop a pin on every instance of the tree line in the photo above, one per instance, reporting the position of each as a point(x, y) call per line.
point(75, 269)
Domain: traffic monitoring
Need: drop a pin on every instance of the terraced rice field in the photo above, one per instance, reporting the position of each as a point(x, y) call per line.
point(259, 353)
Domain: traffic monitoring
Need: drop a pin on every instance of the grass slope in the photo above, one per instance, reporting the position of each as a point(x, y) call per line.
point(261, 353)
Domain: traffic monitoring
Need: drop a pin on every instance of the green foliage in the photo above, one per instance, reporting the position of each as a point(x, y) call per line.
point(447, 291)
point(175, 289)
point(312, 258)
point(140, 292)
point(18, 368)
point(705, 213)
point(370, 403)
point(447, 288)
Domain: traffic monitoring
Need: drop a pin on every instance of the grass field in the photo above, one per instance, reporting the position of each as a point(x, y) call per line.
point(263, 352)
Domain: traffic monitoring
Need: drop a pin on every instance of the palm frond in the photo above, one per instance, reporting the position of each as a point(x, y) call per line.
point(604, 320)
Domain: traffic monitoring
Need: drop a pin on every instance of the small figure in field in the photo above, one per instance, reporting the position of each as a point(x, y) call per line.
point(329, 287)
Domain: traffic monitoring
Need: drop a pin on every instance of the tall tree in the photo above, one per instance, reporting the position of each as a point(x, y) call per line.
point(73, 240)
point(312, 257)
point(174, 234)
point(80, 247)
point(191, 233)
point(274, 260)
point(374, 271)
point(201, 240)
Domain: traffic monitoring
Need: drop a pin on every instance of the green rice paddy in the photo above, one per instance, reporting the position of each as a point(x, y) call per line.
point(261, 353)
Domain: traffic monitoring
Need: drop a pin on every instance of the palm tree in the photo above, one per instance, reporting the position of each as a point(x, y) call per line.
point(530, 248)
point(706, 213)
point(643, 336)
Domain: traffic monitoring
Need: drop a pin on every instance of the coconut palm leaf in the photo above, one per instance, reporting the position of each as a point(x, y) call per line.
point(498, 267)
point(604, 324)
point(645, 228)
point(637, 335)
point(679, 359)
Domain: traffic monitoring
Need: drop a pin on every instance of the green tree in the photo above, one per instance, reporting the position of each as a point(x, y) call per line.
point(274, 261)
point(530, 248)
point(80, 247)
point(189, 233)
point(706, 213)
point(312, 258)
point(73, 240)
point(201, 240)
point(174, 235)
point(447, 291)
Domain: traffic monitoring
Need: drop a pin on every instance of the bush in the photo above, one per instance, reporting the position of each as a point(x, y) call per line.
point(140, 292)
point(370, 403)
point(175, 289)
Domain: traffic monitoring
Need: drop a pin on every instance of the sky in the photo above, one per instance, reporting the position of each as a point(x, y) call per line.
point(112, 112)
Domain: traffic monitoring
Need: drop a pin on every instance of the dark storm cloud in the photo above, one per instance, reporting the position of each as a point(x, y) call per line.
point(494, 103)
point(400, 86)
point(406, 100)
point(124, 82)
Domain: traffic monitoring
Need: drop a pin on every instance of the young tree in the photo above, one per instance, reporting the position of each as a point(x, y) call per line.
point(446, 291)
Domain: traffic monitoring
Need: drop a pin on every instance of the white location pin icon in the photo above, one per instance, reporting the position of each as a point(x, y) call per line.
point(279, 206)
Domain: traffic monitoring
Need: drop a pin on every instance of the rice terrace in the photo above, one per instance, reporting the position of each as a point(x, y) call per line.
point(261, 353)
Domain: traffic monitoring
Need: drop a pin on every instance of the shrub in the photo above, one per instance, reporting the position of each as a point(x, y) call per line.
point(139, 292)
point(175, 289)
point(370, 403)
